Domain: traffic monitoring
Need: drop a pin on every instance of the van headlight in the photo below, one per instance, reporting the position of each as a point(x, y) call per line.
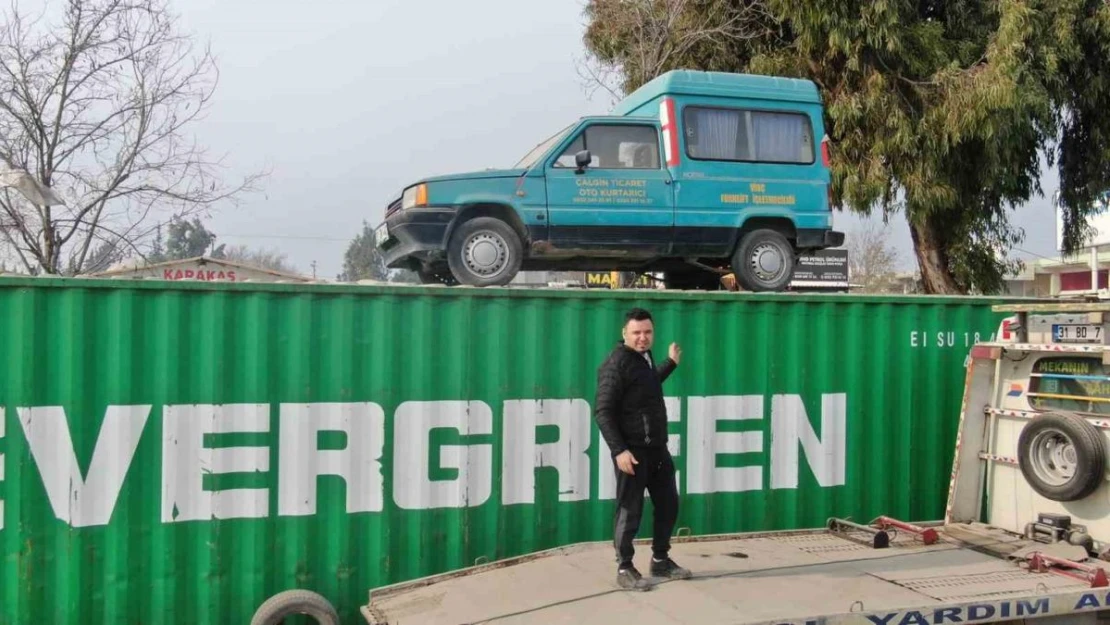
point(415, 196)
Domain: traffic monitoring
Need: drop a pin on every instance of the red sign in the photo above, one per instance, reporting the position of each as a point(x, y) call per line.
point(1081, 280)
point(199, 274)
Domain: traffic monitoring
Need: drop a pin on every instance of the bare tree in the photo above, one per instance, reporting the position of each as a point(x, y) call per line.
point(872, 261)
point(264, 258)
point(95, 107)
point(662, 35)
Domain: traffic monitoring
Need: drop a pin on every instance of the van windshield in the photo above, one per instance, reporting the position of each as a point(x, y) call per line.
point(531, 157)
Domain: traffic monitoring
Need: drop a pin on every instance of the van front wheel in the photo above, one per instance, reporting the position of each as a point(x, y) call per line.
point(485, 251)
point(764, 261)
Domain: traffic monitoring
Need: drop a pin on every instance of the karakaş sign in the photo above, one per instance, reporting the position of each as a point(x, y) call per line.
point(201, 269)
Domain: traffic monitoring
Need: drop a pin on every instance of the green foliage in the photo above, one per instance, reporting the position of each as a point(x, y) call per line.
point(363, 261)
point(188, 239)
point(940, 110)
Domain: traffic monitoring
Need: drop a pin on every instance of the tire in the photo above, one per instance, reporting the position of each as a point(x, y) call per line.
point(484, 251)
point(769, 248)
point(1062, 456)
point(276, 608)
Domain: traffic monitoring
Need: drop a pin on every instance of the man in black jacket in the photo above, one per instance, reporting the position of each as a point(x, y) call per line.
point(632, 417)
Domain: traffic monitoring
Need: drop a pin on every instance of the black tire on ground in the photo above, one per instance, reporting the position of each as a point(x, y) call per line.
point(764, 261)
point(1062, 456)
point(290, 602)
point(485, 251)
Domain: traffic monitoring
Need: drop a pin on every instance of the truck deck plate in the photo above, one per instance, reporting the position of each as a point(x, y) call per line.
point(780, 578)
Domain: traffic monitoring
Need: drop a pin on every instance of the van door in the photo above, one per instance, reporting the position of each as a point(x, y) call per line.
point(623, 201)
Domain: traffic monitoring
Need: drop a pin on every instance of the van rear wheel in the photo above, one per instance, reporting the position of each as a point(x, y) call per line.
point(485, 251)
point(764, 261)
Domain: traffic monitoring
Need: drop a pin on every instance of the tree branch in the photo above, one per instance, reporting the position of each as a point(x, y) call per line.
point(97, 106)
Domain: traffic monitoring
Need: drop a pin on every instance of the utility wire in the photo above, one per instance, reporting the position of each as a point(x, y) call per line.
point(283, 236)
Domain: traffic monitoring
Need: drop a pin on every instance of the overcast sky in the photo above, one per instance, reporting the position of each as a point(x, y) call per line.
point(349, 100)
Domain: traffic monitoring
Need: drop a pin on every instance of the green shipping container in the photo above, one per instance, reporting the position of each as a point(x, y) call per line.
point(180, 452)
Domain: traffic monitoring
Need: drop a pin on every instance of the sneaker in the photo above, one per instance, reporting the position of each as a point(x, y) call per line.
point(667, 568)
point(631, 579)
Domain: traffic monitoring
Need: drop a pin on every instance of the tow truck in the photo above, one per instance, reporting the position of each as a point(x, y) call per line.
point(1025, 535)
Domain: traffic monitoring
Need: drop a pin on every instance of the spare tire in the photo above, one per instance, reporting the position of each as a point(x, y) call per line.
point(1062, 456)
point(276, 608)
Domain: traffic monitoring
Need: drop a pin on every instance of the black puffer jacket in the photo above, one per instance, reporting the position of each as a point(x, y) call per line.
point(629, 407)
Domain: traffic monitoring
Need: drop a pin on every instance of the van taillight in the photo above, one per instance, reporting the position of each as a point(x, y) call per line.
point(825, 159)
point(670, 131)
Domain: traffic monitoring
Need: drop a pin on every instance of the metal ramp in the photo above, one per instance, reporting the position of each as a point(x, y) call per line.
point(785, 577)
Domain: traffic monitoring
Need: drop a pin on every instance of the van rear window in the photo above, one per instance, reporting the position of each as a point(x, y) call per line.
point(1074, 383)
point(724, 134)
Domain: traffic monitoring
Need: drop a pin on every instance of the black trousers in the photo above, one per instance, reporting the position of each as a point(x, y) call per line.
point(655, 473)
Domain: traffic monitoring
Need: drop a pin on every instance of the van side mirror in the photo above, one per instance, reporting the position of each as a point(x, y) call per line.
point(582, 160)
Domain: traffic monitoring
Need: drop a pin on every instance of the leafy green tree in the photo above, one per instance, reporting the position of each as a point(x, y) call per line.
point(363, 261)
point(157, 247)
point(940, 110)
point(189, 239)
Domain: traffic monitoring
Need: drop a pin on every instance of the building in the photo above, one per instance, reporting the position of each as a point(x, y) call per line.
point(1071, 275)
point(1042, 278)
point(199, 269)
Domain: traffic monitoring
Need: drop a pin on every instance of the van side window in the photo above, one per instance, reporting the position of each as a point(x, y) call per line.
point(1077, 383)
point(616, 146)
point(721, 134)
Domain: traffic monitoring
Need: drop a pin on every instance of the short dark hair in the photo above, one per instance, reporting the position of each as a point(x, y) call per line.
point(637, 314)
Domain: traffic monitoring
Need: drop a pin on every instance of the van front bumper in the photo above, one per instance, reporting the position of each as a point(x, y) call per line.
point(819, 238)
point(414, 234)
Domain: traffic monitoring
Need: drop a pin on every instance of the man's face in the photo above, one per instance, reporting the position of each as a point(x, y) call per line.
point(639, 335)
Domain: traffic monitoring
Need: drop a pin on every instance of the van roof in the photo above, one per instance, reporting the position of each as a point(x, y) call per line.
point(719, 84)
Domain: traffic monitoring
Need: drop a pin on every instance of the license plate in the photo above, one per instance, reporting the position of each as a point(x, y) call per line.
point(1076, 333)
point(381, 235)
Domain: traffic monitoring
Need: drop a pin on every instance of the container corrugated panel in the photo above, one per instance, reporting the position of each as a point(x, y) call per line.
point(180, 452)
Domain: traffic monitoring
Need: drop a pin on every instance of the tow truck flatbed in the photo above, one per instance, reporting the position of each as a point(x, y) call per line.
point(1025, 536)
point(777, 578)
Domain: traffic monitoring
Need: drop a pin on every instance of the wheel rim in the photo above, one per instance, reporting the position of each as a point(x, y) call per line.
point(1053, 457)
point(768, 262)
point(486, 254)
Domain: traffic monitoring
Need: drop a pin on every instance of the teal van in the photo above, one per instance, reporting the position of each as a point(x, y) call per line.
point(693, 175)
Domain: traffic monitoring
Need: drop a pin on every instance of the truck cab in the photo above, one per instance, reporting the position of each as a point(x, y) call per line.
point(693, 175)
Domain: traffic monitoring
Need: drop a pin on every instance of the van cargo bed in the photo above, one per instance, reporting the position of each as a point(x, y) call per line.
point(779, 578)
